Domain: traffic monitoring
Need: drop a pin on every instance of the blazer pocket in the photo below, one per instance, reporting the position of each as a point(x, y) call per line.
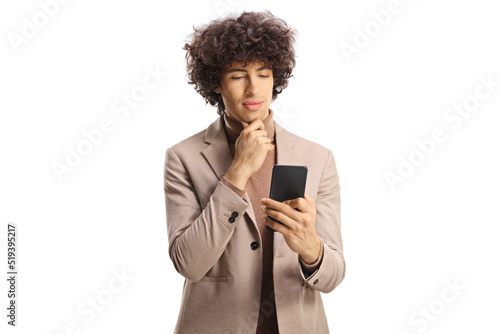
point(213, 279)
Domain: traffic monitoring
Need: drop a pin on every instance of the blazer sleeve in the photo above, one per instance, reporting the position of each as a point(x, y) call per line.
point(331, 270)
point(197, 236)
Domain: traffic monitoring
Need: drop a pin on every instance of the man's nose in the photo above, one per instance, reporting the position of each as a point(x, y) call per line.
point(251, 85)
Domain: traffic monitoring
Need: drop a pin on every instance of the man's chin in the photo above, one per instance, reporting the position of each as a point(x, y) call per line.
point(253, 115)
point(250, 116)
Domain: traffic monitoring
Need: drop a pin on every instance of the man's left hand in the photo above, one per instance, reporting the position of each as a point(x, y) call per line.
point(299, 218)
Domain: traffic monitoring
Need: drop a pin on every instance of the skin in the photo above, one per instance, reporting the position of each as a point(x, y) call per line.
point(254, 81)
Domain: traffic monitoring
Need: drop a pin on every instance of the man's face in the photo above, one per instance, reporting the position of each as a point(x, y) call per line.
point(241, 85)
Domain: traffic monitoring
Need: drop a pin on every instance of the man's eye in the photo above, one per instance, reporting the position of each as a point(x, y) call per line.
point(263, 76)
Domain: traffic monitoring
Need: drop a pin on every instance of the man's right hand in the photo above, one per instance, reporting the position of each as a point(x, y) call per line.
point(250, 151)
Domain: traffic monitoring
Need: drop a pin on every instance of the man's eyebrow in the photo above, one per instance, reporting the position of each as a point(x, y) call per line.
point(243, 70)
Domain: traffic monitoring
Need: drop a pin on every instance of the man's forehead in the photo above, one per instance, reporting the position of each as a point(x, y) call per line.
point(239, 64)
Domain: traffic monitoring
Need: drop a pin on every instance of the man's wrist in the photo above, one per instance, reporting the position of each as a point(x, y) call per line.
point(234, 188)
point(312, 257)
point(236, 177)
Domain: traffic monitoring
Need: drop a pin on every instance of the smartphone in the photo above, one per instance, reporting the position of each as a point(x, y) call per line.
point(287, 182)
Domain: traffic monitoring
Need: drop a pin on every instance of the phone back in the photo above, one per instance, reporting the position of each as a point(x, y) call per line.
point(288, 182)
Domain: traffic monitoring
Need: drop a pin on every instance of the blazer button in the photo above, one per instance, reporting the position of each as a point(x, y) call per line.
point(231, 219)
point(254, 245)
point(315, 282)
point(234, 214)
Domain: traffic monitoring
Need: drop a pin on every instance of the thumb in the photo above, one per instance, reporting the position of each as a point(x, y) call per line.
point(245, 124)
point(309, 200)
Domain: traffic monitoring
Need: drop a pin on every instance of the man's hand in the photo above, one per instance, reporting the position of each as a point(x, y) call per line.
point(299, 218)
point(250, 151)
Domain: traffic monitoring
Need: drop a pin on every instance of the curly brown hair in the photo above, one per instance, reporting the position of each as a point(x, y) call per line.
point(253, 36)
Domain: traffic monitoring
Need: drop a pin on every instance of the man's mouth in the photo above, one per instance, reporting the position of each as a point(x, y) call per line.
point(253, 104)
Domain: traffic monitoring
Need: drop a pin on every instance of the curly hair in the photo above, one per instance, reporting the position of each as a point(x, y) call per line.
point(253, 36)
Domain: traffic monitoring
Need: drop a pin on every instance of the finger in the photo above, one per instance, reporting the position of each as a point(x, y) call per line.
point(266, 141)
point(261, 133)
point(292, 203)
point(282, 217)
point(278, 209)
point(309, 201)
point(270, 202)
point(259, 123)
point(275, 225)
point(255, 125)
point(258, 131)
point(300, 203)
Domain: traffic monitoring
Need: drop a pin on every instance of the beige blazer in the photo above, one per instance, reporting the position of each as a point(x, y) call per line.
point(210, 230)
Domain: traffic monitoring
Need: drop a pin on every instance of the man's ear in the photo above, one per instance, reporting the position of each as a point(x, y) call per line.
point(217, 90)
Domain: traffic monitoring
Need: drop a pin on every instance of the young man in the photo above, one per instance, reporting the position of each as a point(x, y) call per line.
point(241, 277)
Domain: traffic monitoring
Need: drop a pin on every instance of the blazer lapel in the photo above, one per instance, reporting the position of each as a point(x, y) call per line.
point(217, 152)
point(220, 159)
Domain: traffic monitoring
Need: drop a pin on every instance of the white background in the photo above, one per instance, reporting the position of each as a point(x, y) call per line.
point(402, 245)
